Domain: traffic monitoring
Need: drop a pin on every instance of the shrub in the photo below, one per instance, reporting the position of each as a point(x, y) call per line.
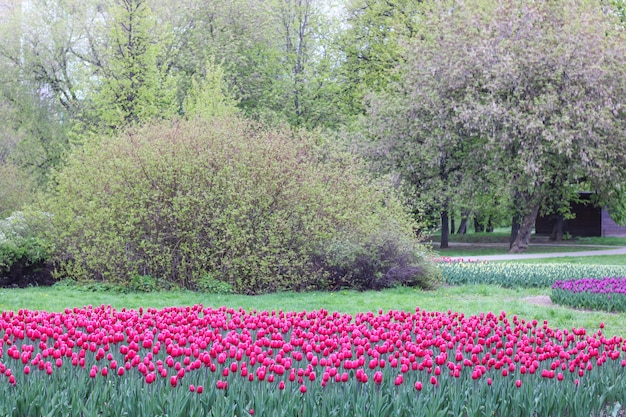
point(247, 205)
point(16, 190)
point(23, 250)
point(522, 275)
point(376, 262)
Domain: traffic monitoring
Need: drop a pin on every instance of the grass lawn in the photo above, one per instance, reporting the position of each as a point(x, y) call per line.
point(587, 260)
point(478, 250)
point(503, 235)
point(499, 236)
point(467, 299)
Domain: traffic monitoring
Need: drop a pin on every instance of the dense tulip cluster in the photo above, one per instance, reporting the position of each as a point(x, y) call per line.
point(608, 285)
point(595, 293)
point(512, 275)
point(206, 351)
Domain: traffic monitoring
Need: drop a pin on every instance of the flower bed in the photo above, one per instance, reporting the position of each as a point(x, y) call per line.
point(607, 294)
point(216, 362)
point(511, 275)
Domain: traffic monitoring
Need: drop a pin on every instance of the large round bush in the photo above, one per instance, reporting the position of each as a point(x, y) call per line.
point(228, 200)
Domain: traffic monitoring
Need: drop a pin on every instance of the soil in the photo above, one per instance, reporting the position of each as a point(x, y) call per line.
point(540, 300)
point(21, 276)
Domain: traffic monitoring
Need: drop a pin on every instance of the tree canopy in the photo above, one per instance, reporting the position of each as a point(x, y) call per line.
point(529, 92)
point(484, 108)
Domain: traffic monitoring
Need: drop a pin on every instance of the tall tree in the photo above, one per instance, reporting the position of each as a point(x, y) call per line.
point(36, 93)
point(415, 132)
point(278, 56)
point(373, 45)
point(540, 82)
point(135, 85)
point(309, 61)
point(209, 96)
point(50, 44)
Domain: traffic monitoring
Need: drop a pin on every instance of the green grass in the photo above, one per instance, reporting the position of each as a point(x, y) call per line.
point(502, 236)
point(477, 250)
point(583, 260)
point(466, 299)
point(495, 237)
point(609, 241)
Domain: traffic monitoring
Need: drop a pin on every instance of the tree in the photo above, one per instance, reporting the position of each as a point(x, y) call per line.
point(413, 132)
point(309, 63)
point(373, 45)
point(36, 140)
point(539, 82)
point(209, 96)
point(134, 85)
point(32, 134)
point(51, 47)
point(278, 56)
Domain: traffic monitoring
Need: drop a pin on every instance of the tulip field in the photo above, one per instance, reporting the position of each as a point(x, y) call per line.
point(197, 360)
point(608, 294)
point(508, 274)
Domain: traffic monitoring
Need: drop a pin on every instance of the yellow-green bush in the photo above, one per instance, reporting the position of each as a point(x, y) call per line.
point(16, 189)
point(252, 206)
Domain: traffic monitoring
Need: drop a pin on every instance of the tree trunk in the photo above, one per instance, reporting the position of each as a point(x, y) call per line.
point(452, 224)
point(515, 226)
point(490, 226)
point(557, 230)
point(464, 219)
point(479, 226)
point(526, 228)
point(462, 227)
point(445, 230)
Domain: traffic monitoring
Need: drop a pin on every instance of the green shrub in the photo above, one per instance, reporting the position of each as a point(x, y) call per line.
point(16, 190)
point(142, 283)
point(375, 262)
point(522, 275)
point(24, 251)
point(251, 206)
point(20, 241)
point(209, 284)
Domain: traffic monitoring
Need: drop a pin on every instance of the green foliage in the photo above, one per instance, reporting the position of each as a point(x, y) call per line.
point(373, 45)
point(72, 392)
point(490, 99)
point(209, 97)
point(380, 261)
point(279, 57)
point(134, 86)
point(211, 285)
point(21, 242)
point(251, 206)
point(16, 190)
point(511, 275)
point(142, 283)
point(32, 140)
